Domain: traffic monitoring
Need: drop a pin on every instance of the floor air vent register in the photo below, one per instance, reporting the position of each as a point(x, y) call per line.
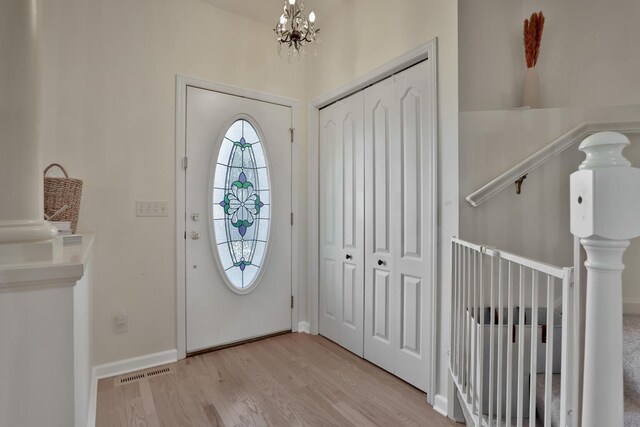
point(127, 379)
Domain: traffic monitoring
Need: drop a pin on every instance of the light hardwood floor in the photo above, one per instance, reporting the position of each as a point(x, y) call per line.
point(290, 380)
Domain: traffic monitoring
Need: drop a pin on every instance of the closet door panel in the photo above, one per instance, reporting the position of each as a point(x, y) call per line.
point(410, 336)
point(380, 132)
point(380, 287)
point(349, 190)
point(410, 172)
point(380, 307)
point(413, 256)
point(351, 213)
point(342, 223)
point(329, 204)
point(349, 297)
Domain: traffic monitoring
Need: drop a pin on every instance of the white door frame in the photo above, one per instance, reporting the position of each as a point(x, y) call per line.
point(421, 53)
point(182, 82)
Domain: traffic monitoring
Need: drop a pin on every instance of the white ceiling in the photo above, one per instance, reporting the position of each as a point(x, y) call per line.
point(268, 11)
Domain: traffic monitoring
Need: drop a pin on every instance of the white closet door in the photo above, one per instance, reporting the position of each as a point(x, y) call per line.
point(380, 288)
point(399, 148)
point(413, 180)
point(341, 223)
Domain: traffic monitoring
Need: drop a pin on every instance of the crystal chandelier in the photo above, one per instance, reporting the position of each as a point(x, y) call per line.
point(295, 29)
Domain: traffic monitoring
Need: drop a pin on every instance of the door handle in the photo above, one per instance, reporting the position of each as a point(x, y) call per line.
point(195, 235)
point(381, 262)
point(349, 257)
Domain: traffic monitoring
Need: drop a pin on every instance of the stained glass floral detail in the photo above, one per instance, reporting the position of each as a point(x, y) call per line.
point(241, 197)
point(242, 204)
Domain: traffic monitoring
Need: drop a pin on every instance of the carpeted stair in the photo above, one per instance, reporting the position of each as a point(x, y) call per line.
point(631, 366)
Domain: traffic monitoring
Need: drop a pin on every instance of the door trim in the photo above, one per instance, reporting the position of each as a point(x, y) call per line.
point(182, 82)
point(427, 51)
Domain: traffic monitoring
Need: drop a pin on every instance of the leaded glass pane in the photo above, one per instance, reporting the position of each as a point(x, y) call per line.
point(241, 198)
point(221, 174)
point(259, 155)
point(250, 134)
point(235, 132)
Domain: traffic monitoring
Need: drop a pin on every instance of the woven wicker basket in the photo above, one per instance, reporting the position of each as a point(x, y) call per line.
point(62, 197)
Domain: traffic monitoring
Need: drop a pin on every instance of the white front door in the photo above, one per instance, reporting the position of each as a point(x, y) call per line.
point(238, 227)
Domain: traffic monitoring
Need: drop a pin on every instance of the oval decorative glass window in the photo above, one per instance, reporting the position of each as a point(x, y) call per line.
point(241, 198)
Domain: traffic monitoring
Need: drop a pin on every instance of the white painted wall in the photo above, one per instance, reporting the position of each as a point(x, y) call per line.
point(590, 54)
point(369, 33)
point(534, 224)
point(589, 60)
point(109, 117)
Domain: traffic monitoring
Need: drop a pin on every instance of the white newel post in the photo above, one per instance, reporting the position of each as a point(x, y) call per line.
point(21, 200)
point(605, 215)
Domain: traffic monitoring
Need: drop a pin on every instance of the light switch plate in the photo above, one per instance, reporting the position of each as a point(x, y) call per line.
point(152, 208)
point(121, 322)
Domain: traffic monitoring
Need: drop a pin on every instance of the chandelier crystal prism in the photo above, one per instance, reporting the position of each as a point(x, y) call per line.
point(294, 29)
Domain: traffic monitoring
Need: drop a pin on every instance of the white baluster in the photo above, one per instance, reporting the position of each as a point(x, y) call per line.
point(521, 333)
point(605, 215)
point(500, 342)
point(510, 338)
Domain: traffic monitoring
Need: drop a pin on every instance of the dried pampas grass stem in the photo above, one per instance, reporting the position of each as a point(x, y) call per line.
point(533, 28)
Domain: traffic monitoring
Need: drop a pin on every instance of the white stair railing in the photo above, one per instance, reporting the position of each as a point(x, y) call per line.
point(512, 318)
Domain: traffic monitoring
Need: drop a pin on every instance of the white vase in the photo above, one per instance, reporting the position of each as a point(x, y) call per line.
point(531, 89)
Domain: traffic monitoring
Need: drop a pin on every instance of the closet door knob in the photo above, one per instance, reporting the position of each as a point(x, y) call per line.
point(380, 262)
point(348, 257)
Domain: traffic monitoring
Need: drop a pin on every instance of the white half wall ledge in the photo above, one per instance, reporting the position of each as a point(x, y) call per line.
point(65, 269)
point(574, 136)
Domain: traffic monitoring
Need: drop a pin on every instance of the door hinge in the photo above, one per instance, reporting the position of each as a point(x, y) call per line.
point(291, 301)
point(291, 218)
point(185, 235)
point(185, 162)
point(291, 132)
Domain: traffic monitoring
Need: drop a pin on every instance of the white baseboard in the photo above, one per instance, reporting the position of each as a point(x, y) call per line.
point(440, 404)
point(304, 327)
point(631, 306)
point(135, 364)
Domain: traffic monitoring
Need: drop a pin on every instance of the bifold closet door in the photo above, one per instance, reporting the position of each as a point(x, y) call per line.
point(342, 223)
point(399, 216)
point(380, 242)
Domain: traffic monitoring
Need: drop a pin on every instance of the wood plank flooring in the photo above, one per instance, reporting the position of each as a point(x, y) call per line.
point(290, 380)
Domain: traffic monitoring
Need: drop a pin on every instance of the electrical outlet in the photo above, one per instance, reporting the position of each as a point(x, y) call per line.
point(121, 322)
point(151, 208)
